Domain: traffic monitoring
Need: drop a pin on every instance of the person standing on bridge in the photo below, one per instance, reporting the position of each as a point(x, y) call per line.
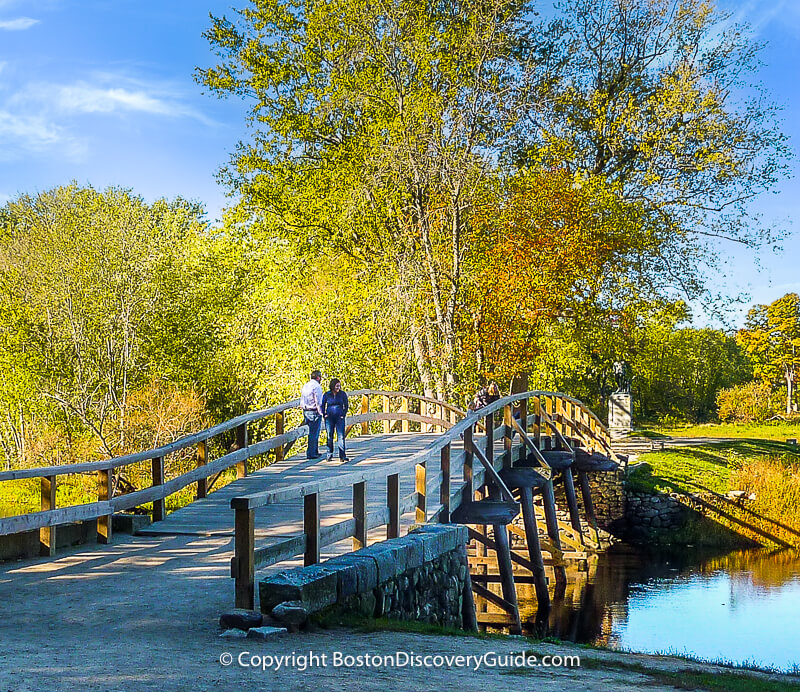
point(334, 408)
point(311, 403)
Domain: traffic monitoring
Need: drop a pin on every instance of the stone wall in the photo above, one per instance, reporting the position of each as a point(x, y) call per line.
point(608, 498)
point(649, 515)
point(423, 576)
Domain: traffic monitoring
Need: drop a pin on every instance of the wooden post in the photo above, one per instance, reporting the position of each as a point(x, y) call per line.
point(365, 409)
point(488, 423)
point(360, 515)
point(202, 460)
point(387, 424)
point(444, 488)
point(47, 534)
point(534, 547)
point(311, 528)
point(104, 490)
point(537, 422)
point(241, 443)
point(404, 409)
point(508, 442)
point(523, 422)
point(243, 561)
point(393, 502)
point(588, 504)
point(506, 570)
point(551, 521)
point(279, 430)
point(469, 482)
point(160, 505)
point(421, 514)
point(572, 500)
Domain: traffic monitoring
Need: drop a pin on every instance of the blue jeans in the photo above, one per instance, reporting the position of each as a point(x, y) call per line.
point(314, 422)
point(335, 423)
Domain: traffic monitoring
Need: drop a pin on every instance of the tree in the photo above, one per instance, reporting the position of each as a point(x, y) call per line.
point(658, 97)
point(376, 129)
point(771, 337)
point(94, 281)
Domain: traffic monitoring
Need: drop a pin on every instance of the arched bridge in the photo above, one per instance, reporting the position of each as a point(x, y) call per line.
point(414, 459)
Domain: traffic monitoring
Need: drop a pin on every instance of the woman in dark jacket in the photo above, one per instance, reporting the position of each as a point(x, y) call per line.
point(334, 408)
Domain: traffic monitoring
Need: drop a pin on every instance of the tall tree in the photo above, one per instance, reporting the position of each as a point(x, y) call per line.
point(658, 96)
point(771, 337)
point(375, 129)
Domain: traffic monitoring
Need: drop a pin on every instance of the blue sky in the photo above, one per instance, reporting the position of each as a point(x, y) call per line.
point(101, 91)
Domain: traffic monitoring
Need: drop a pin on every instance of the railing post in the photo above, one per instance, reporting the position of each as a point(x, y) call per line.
point(104, 490)
point(387, 424)
point(508, 442)
point(523, 423)
point(404, 427)
point(160, 505)
point(468, 495)
point(279, 423)
point(311, 528)
point(393, 502)
point(243, 561)
point(365, 409)
point(241, 443)
point(488, 423)
point(360, 515)
point(47, 534)
point(421, 513)
point(537, 421)
point(444, 488)
point(202, 460)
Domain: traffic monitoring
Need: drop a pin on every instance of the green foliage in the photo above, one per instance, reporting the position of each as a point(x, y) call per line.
point(102, 294)
point(751, 402)
point(771, 337)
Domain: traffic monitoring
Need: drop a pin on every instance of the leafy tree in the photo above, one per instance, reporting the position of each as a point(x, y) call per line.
point(658, 97)
point(94, 280)
point(771, 337)
point(376, 129)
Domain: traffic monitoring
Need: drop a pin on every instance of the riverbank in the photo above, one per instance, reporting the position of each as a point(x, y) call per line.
point(142, 614)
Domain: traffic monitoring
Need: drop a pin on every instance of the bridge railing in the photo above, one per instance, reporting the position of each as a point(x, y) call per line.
point(429, 413)
point(528, 418)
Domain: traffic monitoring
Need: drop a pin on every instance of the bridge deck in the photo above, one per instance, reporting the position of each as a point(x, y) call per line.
point(213, 515)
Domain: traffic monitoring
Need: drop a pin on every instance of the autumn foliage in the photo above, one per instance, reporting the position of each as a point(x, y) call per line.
point(546, 254)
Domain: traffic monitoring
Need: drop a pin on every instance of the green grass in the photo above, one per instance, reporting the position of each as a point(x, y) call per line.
point(703, 467)
point(775, 430)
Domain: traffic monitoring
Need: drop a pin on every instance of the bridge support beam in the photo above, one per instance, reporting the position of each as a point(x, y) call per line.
point(47, 534)
point(551, 521)
point(534, 548)
point(507, 574)
point(104, 493)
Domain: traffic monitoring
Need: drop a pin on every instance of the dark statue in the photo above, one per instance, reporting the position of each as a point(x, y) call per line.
point(622, 376)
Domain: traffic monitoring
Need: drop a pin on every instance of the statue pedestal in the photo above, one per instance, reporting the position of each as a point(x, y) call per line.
point(620, 414)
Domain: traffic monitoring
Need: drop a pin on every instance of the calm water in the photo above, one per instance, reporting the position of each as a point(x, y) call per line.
point(742, 607)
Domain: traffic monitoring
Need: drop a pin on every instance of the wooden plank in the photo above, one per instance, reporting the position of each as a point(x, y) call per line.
point(311, 528)
point(393, 503)
point(279, 430)
point(47, 534)
point(387, 424)
point(404, 410)
point(365, 409)
point(360, 515)
point(243, 562)
point(159, 504)
point(104, 493)
point(53, 517)
point(421, 489)
point(202, 460)
point(444, 485)
point(241, 444)
point(492, 597)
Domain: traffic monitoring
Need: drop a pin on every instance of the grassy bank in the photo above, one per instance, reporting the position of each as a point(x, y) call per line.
point(774, 430)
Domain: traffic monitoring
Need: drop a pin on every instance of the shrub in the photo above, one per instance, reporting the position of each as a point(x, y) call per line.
point(751, 402)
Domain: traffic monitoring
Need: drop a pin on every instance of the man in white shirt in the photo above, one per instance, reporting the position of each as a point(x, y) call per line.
point(311, 403)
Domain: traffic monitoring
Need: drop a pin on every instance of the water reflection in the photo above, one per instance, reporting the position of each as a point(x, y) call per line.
point(742, 606)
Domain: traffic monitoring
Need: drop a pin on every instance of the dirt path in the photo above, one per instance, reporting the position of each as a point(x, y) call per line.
point(142, 615)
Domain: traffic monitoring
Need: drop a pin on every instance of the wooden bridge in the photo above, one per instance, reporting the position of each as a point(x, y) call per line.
point(414, 459)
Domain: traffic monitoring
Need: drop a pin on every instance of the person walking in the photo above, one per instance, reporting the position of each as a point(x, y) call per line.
point(311, 403)
point(334, 408)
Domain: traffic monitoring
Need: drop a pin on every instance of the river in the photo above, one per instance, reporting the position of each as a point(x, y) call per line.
point(741, 607)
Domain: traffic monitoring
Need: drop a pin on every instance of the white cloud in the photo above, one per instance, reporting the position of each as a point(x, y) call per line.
point(34, 133)
point(19, 24)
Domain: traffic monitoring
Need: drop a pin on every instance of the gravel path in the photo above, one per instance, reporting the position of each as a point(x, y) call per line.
point(142, 615)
